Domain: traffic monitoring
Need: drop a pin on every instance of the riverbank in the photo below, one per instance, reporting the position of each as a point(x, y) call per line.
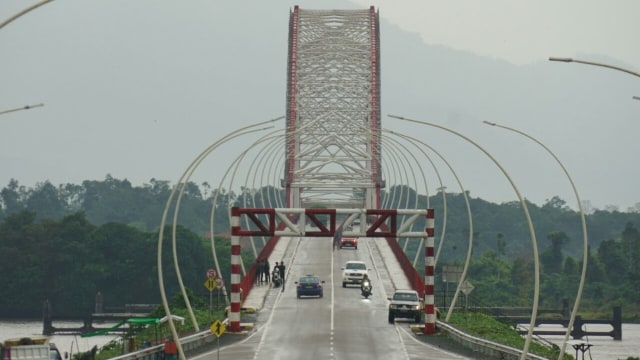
point(71, 344)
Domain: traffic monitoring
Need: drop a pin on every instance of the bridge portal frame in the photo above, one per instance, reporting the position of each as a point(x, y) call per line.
point(373, 223)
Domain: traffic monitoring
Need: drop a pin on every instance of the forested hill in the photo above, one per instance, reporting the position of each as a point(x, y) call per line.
point(66, 243)
point(118, 201)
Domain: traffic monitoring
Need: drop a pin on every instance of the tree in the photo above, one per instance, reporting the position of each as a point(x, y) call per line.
point(12, 197)
point(522, 272)
point(501, 244)
point(631, 249)
point(611, 255)
point(551, 258)
point(46, 202)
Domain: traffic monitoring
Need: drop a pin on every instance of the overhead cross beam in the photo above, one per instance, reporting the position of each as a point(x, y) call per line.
point(326, 222)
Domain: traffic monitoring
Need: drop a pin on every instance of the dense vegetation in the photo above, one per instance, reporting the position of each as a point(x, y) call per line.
point(66, 243)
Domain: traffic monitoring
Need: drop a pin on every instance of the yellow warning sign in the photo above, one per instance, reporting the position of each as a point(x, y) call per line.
point(218, 328)
point(210, 284)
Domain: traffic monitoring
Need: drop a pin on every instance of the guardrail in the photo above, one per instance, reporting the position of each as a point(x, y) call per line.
point(189, 343)
point(481, 346)
point(491, 349)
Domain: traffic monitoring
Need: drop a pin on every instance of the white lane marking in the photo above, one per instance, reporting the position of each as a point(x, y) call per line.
point(375, 265)
point(449, 353)
point(275, 304)
point(331, 338)
point(404, 348)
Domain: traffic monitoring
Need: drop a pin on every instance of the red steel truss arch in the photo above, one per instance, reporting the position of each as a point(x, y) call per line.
point(333, 109)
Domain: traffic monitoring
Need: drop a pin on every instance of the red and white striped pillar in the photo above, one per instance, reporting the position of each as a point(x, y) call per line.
point(429, 265)
point(234, 313)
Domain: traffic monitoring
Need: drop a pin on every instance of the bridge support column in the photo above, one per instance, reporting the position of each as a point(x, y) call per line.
point(429, 265)
point(234, 311)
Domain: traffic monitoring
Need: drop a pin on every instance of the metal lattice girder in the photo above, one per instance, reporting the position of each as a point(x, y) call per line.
point(299, 222)
point(333, 118)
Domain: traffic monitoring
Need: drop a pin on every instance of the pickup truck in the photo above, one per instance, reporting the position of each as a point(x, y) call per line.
point(29, 348)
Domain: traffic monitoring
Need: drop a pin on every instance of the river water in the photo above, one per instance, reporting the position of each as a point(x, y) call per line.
point(71, 344)
point(603, 347)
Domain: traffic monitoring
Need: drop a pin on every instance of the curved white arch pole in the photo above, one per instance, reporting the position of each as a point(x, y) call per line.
point(32, 7)
point(184, 180)
point(26, 107)
point(257, 164)
point(213, 212)
point(585, 241)
point(568, 60)
point(218, 193)
point(534, 310)
point(268, 138)
point(444, 198)
point(467, 261)
point(163, 294)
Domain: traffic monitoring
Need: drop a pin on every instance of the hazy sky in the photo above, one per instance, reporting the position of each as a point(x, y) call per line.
point(137, 89)
point(522, 32)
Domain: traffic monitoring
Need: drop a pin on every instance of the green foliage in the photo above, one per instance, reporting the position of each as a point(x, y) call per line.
point(69, 261)
point(488, 328)
point(68, 241)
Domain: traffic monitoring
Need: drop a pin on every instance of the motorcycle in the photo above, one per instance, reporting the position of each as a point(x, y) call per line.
point(275, 278)
point(366, 289)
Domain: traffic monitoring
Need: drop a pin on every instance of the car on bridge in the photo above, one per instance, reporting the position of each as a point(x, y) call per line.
point(349, 242)
point(309, 285)
point(405, 304)
point(353, 272)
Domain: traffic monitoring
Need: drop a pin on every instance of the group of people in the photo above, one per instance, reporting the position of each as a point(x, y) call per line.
point(263, 271)
point(263, 274)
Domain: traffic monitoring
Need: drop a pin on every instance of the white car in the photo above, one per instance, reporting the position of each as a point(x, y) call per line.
point(353, 272)
point(405, 304)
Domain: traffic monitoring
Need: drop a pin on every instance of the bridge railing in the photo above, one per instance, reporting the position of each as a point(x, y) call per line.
point(414, 278)
point(189, 343)
point(488, 348)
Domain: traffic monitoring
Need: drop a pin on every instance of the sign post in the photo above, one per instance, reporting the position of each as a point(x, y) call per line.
point(220, 285)
point(218, 329)
point(450, 274)
point(210, 284)
point(466, 289)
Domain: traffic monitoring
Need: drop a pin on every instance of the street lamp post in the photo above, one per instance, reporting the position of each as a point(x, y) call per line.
point(26, 107)
point(563, 59)
point(32, 7)
point(585, 241)
point(536, 291)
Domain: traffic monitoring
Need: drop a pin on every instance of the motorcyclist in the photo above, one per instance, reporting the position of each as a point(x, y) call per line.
point(366, 282)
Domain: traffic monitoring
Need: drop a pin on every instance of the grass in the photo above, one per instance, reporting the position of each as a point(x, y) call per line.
point(486, 327)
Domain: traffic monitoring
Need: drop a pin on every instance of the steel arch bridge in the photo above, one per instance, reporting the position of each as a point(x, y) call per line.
point(333, 146)
point(333, 109)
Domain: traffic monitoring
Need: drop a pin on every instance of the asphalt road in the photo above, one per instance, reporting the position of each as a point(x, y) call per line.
point(340, 325)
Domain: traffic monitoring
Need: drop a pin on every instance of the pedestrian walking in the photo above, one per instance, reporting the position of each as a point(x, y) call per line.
point(281, 268)
point(258, 271)
point(267, 270)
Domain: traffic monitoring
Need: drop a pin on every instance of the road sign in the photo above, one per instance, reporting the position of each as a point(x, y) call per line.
point(220, 282)
point(210, 284)
point(218, 328)
point(211, 273)
point(466, 287)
